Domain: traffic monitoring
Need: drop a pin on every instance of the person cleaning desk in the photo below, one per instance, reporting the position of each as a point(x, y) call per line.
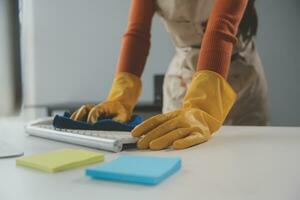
point(215, 76)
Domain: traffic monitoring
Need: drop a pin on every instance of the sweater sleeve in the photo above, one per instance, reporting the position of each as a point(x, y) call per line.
point(136, 40)
point(220, 36)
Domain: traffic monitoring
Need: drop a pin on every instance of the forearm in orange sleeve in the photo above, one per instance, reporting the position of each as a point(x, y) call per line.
point(136, 41)
point(220, 36)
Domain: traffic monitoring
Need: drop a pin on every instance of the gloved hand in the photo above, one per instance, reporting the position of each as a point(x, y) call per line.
point(205, 107)
point(123, 96)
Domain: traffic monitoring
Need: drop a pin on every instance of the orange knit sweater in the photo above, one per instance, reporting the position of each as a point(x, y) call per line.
point(216, 46)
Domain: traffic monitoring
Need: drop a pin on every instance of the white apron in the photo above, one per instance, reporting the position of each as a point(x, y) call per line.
point(185, 21)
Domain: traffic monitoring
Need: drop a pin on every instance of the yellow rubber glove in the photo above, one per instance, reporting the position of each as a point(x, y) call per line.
point(205, 107)
point(123, 96)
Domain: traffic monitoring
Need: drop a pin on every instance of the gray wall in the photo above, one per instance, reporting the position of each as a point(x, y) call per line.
point(278, 44)
point(70, 49)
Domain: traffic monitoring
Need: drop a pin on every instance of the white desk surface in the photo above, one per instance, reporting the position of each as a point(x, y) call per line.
point(237, 163)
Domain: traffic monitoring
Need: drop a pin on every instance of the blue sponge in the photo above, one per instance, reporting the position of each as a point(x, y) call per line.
point(146, 170)
point(64, 122)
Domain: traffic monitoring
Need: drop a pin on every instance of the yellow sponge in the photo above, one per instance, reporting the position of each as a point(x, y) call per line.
point(60, 160)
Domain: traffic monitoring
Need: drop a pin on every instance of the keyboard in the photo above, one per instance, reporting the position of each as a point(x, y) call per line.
point(113, 141)
point(100, 134)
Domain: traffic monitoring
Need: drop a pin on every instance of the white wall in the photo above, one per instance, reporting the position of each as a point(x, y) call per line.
point(278, 44)
point(74, 46)
point(71, 49)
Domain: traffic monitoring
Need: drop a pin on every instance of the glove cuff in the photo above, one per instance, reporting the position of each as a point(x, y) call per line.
point(211, 93)
point(126, 89)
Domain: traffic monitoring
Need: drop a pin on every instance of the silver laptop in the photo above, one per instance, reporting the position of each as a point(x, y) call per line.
point(114, 141)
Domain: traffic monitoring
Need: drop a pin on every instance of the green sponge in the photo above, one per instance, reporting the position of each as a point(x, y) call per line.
point(60, 160)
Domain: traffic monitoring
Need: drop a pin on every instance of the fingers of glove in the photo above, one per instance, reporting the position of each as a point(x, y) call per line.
point(73, 115)
point(168, 139)
point(82, 112)
point(94, 114)
point(109, 109)
point(151, 124)
point(156, 133)
point(191, 140)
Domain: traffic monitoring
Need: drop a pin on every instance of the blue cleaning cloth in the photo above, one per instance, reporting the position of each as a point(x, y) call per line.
point(64, 122)
point(146, 170)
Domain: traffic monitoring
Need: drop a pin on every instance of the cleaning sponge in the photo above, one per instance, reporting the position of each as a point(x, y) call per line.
point(60, 160)
point(147, 170)
point(64, 122)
